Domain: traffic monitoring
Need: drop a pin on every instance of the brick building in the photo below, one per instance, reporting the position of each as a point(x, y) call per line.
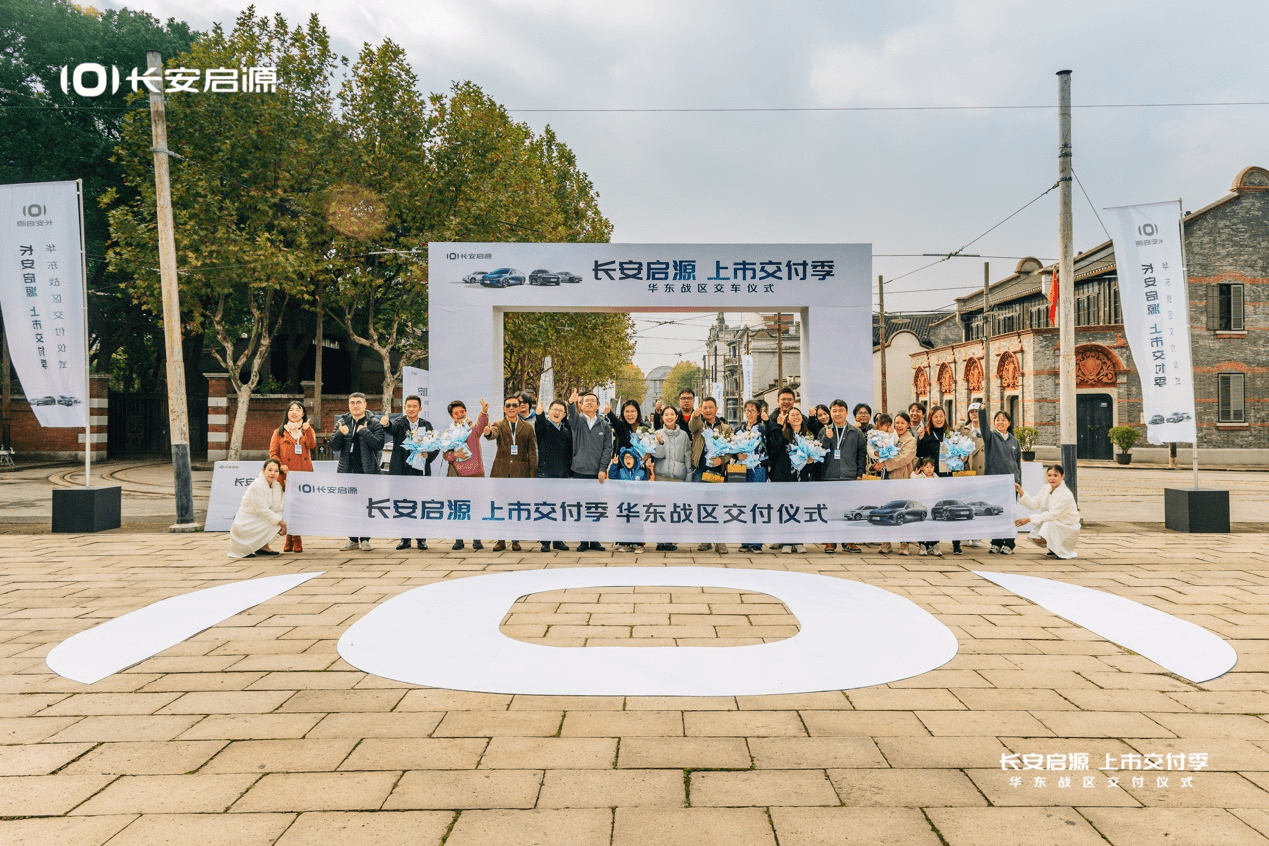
point(1227, 257)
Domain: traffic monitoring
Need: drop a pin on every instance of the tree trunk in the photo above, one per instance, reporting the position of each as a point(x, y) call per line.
point(242, 404)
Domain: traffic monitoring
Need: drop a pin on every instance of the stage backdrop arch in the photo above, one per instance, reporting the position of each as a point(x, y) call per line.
point(828, 285)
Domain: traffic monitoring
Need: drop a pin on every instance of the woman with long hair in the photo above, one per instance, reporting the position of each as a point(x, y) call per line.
point(624, 426)
point(901, 466)
point(1001, 457)
point(791, 424)
point(931, 445)
point(674, 456)
point(292, 447)
point(259, 518)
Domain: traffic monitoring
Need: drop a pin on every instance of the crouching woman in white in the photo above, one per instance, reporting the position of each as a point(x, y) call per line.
point(259, 518)
point(1057, 525)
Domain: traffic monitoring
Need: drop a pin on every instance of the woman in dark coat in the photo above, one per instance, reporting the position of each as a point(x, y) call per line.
point(1001, 457)
point(779, 439)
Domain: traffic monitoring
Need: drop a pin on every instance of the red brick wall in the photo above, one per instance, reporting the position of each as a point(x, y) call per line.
point(32, 442)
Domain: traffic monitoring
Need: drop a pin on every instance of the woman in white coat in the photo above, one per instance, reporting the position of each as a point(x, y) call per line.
point(1057, 525)
point(259, 518)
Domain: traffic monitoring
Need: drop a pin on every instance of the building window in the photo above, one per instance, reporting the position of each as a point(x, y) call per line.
point(1225, 308)
point(1231, 388)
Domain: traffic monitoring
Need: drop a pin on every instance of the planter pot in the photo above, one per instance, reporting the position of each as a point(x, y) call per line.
point(1028, 455)
point(1124, 458)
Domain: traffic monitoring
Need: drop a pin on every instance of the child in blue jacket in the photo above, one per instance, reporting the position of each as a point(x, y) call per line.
point(628, 469)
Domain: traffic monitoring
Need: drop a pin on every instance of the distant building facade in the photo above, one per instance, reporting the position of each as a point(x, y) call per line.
point(1227, 258)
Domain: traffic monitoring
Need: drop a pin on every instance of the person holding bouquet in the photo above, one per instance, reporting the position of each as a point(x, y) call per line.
point(846, 455)
point(404, 428)
point(466, 460)
point(756, 465)
point(292, 447)
point(901, 464)
point(933, 445)
point(674, 456)
point(791, 433)
point(704, 425)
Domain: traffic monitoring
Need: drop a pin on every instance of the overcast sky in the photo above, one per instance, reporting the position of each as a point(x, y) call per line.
point(907, 181)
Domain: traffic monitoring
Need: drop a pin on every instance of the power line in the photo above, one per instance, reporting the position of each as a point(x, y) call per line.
point(778, 109)
point(1090, 202)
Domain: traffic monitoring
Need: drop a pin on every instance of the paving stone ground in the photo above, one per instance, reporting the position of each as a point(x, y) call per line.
point(256, 732)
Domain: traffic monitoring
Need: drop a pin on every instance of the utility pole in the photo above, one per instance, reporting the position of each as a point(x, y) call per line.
point(779, 353)
point(987, 338)
point(178, 414)
point(1066, 286)
point(6, 393)
point(881, 321)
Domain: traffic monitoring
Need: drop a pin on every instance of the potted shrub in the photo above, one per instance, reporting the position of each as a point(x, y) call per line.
point(1027, 436)
point(1124, 437)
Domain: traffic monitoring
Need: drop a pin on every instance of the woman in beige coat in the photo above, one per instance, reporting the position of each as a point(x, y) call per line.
point(899, 467)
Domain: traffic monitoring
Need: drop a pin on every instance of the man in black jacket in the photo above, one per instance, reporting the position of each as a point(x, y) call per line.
point(845, 455)
point(358, 441)
point(555, 451)
point(399, 465)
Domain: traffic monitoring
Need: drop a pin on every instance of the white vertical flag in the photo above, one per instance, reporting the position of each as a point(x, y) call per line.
point(414, 380)
point(546, 385)
point(716, 391)
point(1154, 295)
point(42, 297)
point(746, 367)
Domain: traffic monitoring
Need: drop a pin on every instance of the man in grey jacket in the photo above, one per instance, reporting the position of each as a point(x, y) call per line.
point(845, 455)
point(592, 444)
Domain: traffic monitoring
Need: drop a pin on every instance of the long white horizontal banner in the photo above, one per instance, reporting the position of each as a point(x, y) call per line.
point(963, 507)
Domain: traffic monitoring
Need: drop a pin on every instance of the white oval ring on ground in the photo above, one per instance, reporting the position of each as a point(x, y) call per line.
point(446, 635)
point(1176, 645)
point(117, 644)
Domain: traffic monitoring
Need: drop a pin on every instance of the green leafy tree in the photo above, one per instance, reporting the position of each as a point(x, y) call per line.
point(249, 237)
point(586, 349)
point(631, 384)
point(52, 136)
point(682, 376)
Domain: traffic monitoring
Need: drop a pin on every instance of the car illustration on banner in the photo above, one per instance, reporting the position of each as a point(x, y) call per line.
point(565, 276)
point(503, 277)
point(44, 401)
point(473, 277)
point(898, 512)
point(985, 509)
point(1156, 420)
point(544, 277)
point(68, 401)
point(951, 509)
point(1178, 417)
point(860, 513)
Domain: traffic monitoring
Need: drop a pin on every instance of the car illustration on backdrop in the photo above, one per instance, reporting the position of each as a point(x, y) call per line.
point(1156, 420)
point(985, 509)
point(951, 509)
point(473, 277)
point(503, 277)
point(1178, 416)
point(565, 276)
point(44, 401)
point(68, 401)
point(898, 512)
point(860, 513)
point(544, 277)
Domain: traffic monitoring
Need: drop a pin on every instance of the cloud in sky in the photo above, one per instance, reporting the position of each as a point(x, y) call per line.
point(905, 181)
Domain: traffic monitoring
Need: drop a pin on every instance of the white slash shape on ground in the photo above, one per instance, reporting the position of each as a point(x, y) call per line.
point(115, 645)
point(1181, 647)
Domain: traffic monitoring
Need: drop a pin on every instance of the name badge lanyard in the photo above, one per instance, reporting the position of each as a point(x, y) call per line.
point(515, 450)
point(837, 453)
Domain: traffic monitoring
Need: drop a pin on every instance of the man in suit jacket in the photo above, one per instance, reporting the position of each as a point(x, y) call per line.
point(517, 455)
point(358, 441)
point(706, 419)
point(399, 465)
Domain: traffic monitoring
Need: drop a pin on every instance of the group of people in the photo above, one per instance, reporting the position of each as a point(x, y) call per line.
point(579, 440)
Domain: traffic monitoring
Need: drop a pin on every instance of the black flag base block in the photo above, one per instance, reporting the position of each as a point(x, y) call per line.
point(78, 510)
point(1196, 510)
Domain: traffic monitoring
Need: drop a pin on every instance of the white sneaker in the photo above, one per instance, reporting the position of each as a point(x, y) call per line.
point(704, 547)
point(366, 547)
point(936, 552)
point(1006, 550)
point(788, 550)
point(922, 552)
point(350, 545)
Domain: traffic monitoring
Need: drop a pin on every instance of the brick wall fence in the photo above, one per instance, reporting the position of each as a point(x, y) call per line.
point(32, 442)
point(265, 415)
